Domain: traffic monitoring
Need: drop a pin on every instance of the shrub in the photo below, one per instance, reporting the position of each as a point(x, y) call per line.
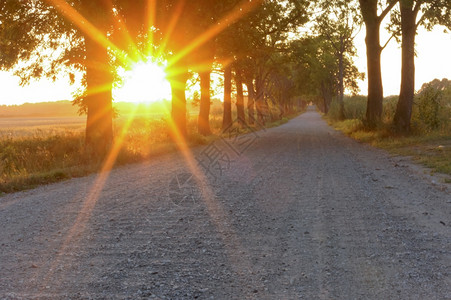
point(334, 111)
point(432, 109)
point(389, 108)
point(429, 107)
point(355, 107)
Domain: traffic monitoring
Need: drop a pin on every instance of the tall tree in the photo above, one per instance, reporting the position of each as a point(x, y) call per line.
point(227, 117)
point(248, 78)
point(339, 23)
point(373, 20)
point(317, 69)
point(99, 77)
point(239, 96)
point(203, 122)
point(251, 42)
point(432, 13)
point(250, 101)
point(190, 25)
point(80, 29)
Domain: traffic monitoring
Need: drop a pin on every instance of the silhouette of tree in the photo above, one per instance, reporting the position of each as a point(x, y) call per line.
point(406, 21)
point(373, 20)
point(251, 43)
point(318, 69)
point(339, 23)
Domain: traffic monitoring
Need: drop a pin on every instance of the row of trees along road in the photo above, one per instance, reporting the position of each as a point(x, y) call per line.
point(257, 43)
point(404, 24)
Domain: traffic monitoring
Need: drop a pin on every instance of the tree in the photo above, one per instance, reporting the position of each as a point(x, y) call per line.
point(99, 78)
point(203, 122)
point(239, 96)
point(187, 26)
point(248, 77)
point(80, 29)
point(227, 117)
point(339, 23)
point(250, 43)
point(317, 69)
point(432, 13)
point(372, 20)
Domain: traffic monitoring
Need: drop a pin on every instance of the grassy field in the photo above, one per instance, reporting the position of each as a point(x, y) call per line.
point(425, 145)
point(35, 151)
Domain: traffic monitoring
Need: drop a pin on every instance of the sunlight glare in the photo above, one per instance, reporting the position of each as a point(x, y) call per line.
point(145, 83)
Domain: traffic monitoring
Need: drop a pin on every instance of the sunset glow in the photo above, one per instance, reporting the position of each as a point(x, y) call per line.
point(145, 82)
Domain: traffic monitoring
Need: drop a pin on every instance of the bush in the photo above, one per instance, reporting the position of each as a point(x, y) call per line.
point(389, 108)
point(432, 109)
point(355, 107)
point(429, 107)
point(334, 111)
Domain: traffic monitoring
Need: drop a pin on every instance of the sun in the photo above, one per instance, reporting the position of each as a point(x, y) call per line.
point(145, 82)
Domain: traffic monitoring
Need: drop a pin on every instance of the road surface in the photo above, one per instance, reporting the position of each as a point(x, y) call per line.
point(293, 212)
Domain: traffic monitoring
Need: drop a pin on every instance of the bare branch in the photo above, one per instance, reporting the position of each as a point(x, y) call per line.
point(392, 36)
point(420, 21)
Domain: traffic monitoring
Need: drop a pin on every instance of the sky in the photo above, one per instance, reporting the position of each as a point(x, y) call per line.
point(432, 61)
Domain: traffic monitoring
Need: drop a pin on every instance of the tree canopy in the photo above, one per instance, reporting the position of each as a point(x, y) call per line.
point(256, 42)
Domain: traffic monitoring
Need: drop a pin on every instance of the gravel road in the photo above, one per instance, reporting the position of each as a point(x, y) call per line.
point(293, 212)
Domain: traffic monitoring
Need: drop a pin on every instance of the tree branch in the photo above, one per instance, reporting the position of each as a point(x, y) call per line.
point(329, 37)
point(392, 36)
point(387, 10)
point(419, 22)
point(417, 7)
point(358, 31)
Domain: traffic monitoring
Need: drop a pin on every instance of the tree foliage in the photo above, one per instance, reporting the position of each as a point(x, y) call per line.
point(434, 104)
point(339, 22)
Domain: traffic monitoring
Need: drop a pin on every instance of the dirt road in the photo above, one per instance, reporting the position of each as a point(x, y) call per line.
point(293, 212)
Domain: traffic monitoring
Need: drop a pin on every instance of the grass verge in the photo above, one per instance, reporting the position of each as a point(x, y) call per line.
point(433, 149)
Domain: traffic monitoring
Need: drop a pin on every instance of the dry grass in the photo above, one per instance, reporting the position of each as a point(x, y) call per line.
point(432, 149)
point(35, 152)
point(429, 146)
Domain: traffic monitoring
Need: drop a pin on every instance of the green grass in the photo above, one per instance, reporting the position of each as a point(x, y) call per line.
point(33, 157)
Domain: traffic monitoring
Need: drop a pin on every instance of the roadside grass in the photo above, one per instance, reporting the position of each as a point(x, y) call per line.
point(429, 147)
point(36, 157)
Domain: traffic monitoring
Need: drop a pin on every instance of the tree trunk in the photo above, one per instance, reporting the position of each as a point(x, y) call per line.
point(99, 124)
point(341, 112)
point(250, 102)
point(227, 118)
point(178, 86)
point(239, 98)
point(404, 107)
point(259, 99)
point(373, 55)
point(327, 97)
point(282, 110)
point(375, 89)
point(203, 123)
